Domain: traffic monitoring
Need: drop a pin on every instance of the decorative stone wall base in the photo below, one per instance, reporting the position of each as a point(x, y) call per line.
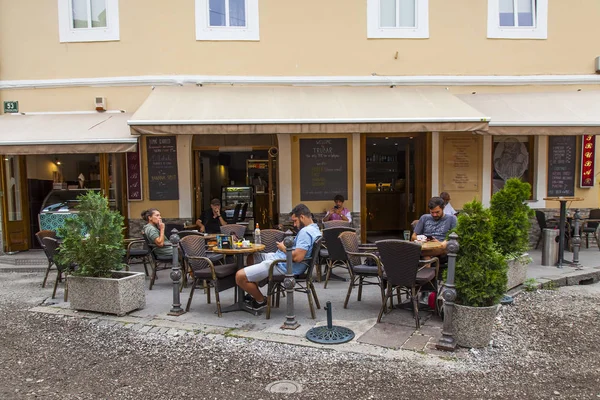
point(552, 213)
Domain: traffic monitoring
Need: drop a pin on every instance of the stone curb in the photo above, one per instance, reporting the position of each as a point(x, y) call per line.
point(175, 328)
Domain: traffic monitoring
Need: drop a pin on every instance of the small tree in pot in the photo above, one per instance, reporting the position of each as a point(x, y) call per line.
point(93, 242)
point(510, 227)
point(480, 277)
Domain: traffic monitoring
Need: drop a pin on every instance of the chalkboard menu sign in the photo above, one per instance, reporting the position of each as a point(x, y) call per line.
point(162, 167)
point(134, 176)
point(561, 166)
point(323, 169)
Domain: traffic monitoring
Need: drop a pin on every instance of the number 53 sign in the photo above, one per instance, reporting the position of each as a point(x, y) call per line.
point(11, 107)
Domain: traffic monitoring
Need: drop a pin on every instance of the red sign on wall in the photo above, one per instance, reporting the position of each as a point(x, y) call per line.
point(588, 155)
point(134, 176)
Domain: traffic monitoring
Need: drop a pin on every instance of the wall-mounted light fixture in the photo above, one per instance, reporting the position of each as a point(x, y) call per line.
point(57, 161)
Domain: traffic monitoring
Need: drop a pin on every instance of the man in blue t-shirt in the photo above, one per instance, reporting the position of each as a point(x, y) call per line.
point(435, 226)
point(249, 277)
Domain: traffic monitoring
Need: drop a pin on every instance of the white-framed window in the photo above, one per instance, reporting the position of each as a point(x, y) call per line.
point(518, 19)
point(88, 20)
point(227, 20)
point(402, 19)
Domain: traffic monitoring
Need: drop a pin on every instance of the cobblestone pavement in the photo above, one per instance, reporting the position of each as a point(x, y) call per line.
point(545, 347)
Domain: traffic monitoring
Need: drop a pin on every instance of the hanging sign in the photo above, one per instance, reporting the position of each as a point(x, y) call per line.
point(588, 154)
point(134, 176)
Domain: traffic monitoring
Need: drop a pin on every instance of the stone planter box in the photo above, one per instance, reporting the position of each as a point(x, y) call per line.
point(517, 271)
point(122, 293)
point(473, 326)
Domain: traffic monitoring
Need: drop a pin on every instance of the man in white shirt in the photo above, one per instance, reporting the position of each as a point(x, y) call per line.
point(448, 209)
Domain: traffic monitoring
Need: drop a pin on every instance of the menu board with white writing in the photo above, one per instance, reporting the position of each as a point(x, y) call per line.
point(561, 165)
point(162, 167)
point(460, 164)
point(323, 169)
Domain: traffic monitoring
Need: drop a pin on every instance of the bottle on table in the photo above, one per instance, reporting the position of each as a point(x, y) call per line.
point(257, 235)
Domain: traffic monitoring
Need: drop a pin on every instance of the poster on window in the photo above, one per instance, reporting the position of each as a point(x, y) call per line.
point(510, 158)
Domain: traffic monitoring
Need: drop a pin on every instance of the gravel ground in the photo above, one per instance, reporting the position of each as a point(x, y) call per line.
point(545, 347)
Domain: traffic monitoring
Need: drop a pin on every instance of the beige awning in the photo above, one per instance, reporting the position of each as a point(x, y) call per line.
point(63, 133)
point(556, 113)
point(302, 109)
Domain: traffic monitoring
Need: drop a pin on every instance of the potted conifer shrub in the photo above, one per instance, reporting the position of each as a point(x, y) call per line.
point(93, 244)
point(480, 277)
point(510, 227)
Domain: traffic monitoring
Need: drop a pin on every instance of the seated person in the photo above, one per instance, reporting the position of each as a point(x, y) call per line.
point(249, 277)
point(448, 209)
point(155, 232)
point(338, 212)
point(435, 224)
point(211, 220)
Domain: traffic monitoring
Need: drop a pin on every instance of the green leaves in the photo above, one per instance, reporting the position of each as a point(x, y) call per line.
point(480, 275)
point(510, 215)
point(94, 239)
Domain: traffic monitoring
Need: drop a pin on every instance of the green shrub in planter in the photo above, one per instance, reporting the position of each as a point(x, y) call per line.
point(100, 249)
point(510, 218)
point(480, 276)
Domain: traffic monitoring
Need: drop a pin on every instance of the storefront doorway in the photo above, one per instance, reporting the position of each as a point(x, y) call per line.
point(245, 176)
point(394, 190)
point(14, 203)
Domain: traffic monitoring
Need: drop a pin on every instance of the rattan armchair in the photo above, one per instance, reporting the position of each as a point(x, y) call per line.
point(220, 277)
point(304, 283)
point(39, 236)
point(361, 273)
point(405, 273)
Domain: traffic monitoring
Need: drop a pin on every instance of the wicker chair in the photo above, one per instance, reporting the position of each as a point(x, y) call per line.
point(337, 256)
point(360, 273)
point(270, 237)
point(238, 230)
point(220, 277)
point(158, 262)
point(39, 236)
point(138, 249)
point(304, 282)
point(336, 223)
point(404, 272)
point(51, 247)
point(590, 225)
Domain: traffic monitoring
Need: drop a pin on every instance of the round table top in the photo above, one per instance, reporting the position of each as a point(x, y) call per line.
point(254, 248)
point(564, 198)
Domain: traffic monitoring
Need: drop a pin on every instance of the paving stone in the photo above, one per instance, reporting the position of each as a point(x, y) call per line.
point(137, 327)
point(164, 330)
point(387, 335)
point(145, 328)
point(400, 316)
point(434, 331)
point(416, 342)
point(155, 329)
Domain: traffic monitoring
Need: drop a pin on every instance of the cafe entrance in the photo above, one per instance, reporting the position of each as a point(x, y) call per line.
point(395, 183)
point(242, 170)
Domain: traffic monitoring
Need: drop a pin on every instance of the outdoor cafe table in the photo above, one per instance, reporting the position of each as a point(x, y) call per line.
point(239, 253)
point(561, 224)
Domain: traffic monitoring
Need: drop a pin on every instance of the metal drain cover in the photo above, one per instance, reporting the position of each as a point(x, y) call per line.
point(284, 387)
point(330, 335)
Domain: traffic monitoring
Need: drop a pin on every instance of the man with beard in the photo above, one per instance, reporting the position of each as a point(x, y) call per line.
point(249, 277)
point(435, 226)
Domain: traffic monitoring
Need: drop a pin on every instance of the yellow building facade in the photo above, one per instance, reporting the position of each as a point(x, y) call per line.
point(397, 101)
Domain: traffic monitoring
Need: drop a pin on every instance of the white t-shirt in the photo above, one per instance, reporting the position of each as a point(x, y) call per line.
point(449, 210)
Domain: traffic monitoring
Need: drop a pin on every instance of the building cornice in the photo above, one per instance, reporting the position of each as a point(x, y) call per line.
point(372, 80)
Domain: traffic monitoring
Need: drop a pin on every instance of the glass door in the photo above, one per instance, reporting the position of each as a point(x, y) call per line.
point(14, 203)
